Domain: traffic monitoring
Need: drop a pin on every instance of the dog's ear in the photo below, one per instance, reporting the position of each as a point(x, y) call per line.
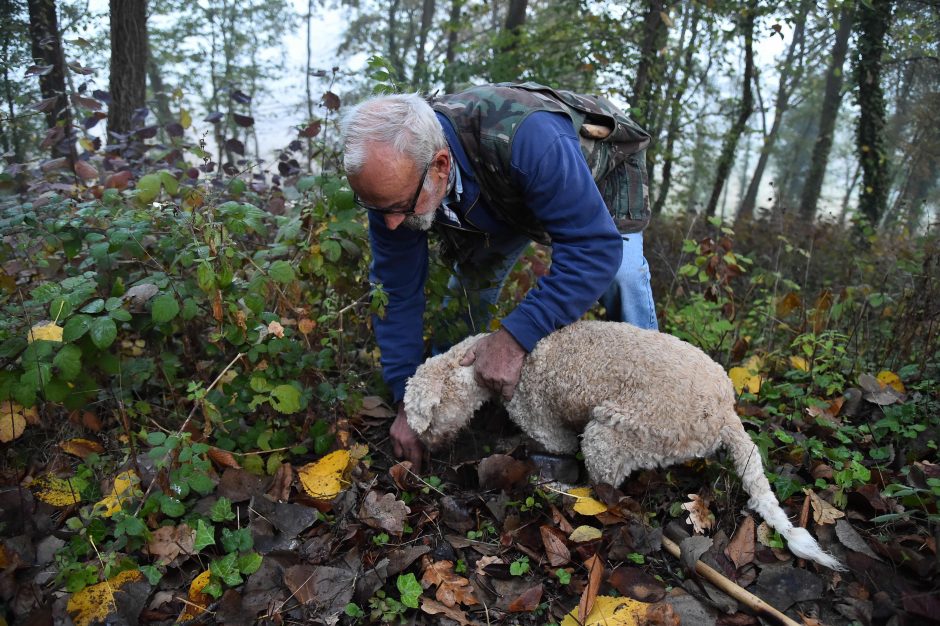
point(422, 397)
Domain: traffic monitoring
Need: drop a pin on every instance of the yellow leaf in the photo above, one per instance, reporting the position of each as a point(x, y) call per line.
point(95, 603)
point(186, 120)
point(82, 448)
point(799, 363)
point(586, 504)
point(742, 378)
point(585, 533)
point(122, 492)
point(12, 421)
point(45, 331)
point(56, 491)
point(610, 611)
point(324, 479)
point(198, 601)
point(358, 451)
point(887, 377)
point(823, 512)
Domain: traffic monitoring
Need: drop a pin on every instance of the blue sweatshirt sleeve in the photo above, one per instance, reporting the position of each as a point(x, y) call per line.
point(400, 264)
point(547, 164)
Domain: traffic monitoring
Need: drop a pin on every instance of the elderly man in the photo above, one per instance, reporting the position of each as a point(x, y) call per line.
point(490, 170)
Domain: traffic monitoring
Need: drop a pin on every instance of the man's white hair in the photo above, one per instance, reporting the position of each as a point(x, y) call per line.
point(406, 122)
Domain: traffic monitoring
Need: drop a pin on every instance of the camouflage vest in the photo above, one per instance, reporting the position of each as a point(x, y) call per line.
point(614, 146)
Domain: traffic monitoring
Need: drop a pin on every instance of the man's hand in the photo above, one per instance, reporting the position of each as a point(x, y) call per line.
point(497, 362)
point(405, 443)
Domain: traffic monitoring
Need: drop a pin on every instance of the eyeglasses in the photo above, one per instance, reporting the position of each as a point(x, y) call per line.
point(396, 210)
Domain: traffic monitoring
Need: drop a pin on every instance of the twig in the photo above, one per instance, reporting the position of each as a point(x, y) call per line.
point(733, 589)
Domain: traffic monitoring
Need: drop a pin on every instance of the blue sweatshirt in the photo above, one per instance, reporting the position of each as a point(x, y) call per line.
point(547, 165)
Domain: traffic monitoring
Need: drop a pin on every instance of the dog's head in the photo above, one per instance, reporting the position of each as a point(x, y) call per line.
point(442, 396)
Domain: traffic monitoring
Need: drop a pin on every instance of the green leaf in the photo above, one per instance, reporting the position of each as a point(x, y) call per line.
point(306, 183)
point(222, 510)
point(205, 535)
point(226, 569)
point(172, 507)
point(249, 563)
point(331, 250)
point(285, 399)
point(237, 540)
point(148, 188)
point(103, 332)
point(214, 589)
point(156, 438)
point(410, 590)
point(205, 276)
point(95, 306)
point(152, 573)
point(165, 308)
point(282, 272)
point(68, 361)
point(201, 483)
point(75, 327)
point(353, 610)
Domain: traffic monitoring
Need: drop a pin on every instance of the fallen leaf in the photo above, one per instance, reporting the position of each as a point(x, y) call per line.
point(85, 170)
point(82, 448)
point(595, 568)
point(878, 392)
point(384, 511)
point(299, 579)
point(699, 516)
point(823, 512)
point(501, 471)
point(198, 601)
point(747, 376)
point(485, 562)
point(799, 363)
point(633, 582)
point(887, 377)
point(527, 601)
point(433, 607)
point(222, 458)
point(585, 533)
point(788, 304)
point(741, 548)
point(555, 548)
point(402, 476)
point(585, 504)
point(373, 406)
point(452, 589)
point(610, 611)
point(275, 328)
point(12, 422)
point(122, 491)
point(305, 326)
point(280, 485)
point(168, 542)
point(56, 491)
point(45, 331)
point(852, 540)
point(323, 479)
point(95, 603)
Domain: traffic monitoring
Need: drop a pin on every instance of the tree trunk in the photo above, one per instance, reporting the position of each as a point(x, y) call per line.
point(10, 133)
point(419, 78)
point(646, 72)
point(394, 54)
point(812, 187)
point(47, 51)
point(873, 20)
point(450, 55)
point(505, 67)
point(128, 79)
point(746, 107)
point(789, 77)
point(675, 107)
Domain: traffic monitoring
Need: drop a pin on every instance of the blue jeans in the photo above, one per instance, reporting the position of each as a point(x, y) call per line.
point(478, 282)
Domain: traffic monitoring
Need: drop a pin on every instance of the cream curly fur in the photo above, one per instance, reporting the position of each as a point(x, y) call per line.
point(636, 399)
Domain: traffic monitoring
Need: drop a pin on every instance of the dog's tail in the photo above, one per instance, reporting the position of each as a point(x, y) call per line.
point(748, 463)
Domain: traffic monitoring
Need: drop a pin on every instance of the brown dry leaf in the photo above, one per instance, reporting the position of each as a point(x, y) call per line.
point(12, 421)
point(82, 448)
point(299, 579)
point(486, 561)
point(197, 600)
point(222, 458)
point(788, 304)
point(402, 476)
point(384, 511)
point(85, 170)
point(561, 521)
point(555, 548)
point(96, 602)
point(168, 542)
point(374, 406)
point(633, 582)
point(595, 568)
point(433, 607)
point(501, 471)
point(699, 516)
point(451, 588)
point(610, 611)
point(323, 480)
point(741, 548)
point(280, 485)
point(527, 601)
point(823, 512)
point(306, 325)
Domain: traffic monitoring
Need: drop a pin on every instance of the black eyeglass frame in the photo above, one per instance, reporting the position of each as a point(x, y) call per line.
point(393, 211)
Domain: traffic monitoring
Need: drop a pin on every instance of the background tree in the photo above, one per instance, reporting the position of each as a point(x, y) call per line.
point(47, 52)
point(128, 75)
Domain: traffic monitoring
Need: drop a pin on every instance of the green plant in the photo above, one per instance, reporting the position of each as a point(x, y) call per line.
point(519, 567)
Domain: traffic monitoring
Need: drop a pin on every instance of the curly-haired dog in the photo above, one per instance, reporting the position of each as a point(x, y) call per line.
point(637, 398)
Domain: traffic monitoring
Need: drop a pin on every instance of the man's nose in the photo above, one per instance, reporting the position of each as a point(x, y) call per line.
point(393, 221)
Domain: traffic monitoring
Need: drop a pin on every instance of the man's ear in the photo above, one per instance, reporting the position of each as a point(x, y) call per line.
point(422, 397)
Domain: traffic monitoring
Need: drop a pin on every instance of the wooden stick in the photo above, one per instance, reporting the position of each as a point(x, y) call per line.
point(732, 588)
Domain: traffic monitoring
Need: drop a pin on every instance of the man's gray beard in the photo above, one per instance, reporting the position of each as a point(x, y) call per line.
point(423, 221)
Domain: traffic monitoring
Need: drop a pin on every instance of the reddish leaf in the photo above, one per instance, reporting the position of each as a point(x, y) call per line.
point(500, 471)
point(633, 582)
point(401, 475)
point(235, 146)
point(243, 120)
point(595, 569)
point(77, 67)
point(741, 547)
point(222, 458)
point(555, 548)
point(280, 486)
point(39, 70)
point(46, 105)
point(85, 102)
point(528, 601)
point(311, 130)
point(331, 101)
point(118, 180)
point(240, 97)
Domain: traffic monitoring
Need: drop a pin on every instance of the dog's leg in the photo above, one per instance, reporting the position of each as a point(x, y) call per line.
point(608, 446)
point(543, 427)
